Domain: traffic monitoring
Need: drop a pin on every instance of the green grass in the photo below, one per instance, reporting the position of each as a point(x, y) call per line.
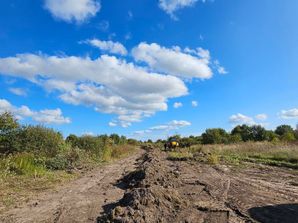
point(282, 155)
point(184, 155)
point(25, 174)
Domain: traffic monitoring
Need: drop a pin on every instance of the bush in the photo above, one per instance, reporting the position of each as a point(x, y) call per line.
point(215, 136)
point(9, 130)
point(41, 140)
point(58, 162)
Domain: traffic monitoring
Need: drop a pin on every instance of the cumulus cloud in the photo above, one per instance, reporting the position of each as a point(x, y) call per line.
point(239, 118)
point(18, 91)
point(108, 84)
point(261, 117)
point(172, 125)
point(170, 6)
point(177, 105)
point(289, 114)
point(194, 104)
point(46, 116)
point(109, 46)
point(73, 10)
point(166, 60)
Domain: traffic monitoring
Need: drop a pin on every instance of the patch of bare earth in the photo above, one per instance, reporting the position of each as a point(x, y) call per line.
point(186, 191)
point(81, 200)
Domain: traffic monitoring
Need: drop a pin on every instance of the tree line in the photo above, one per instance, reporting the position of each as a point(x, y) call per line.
point(240, 133)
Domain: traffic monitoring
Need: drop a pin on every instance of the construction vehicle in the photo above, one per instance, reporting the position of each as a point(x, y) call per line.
point(171, 144)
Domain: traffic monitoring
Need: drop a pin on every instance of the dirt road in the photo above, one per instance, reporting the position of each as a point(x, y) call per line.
point(155, 189)
point(80, 201)
point(162, 190)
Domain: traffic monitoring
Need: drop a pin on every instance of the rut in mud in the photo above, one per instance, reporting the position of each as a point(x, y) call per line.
point(161, 190)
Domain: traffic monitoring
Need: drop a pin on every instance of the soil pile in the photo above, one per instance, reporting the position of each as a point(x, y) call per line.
point(158, 191)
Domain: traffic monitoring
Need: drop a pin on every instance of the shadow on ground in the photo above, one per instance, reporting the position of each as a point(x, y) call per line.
point(282, 213)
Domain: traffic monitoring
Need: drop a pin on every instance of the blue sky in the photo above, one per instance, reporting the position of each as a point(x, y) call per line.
point(150, 68)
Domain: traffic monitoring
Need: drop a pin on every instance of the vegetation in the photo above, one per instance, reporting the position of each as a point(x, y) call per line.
point(240, 133)
point(36, 156)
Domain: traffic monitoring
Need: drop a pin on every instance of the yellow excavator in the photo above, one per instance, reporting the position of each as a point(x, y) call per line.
point(171, 144)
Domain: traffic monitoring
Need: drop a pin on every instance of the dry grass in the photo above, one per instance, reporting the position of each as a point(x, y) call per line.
point(285, 155)
point(21, 177)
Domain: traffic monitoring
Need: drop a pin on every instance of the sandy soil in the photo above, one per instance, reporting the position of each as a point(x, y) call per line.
point(147, 187)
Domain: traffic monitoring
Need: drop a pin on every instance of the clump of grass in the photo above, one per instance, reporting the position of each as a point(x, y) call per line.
point(21, 164)
point(185, 155)
point(212, 159)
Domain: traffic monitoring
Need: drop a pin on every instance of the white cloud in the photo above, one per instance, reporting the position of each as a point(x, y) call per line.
point(172, 125)
point(109, 46)
point(261, 117)
point(220, 69)
point(73, 10)
point(45, 116)
point(18, 91)
point(167, 60)
point(289, 114)
point(241, 119)
point(194, 104)
point(170, 6)
point(88, 134)
point(177, 105)
point(112, 124)
point(108, 84)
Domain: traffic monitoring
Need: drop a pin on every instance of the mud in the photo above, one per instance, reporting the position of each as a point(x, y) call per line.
point(187, 191)
point(147, 187)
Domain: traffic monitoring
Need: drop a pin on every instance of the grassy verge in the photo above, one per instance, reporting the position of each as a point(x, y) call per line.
point(25, 174)
point(282, 155)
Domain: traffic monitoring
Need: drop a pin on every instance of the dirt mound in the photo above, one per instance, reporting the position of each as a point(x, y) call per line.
point(157, 193)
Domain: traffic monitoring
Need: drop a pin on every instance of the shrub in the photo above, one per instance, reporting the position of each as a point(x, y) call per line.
point(58, 162)
point(41, 140)
point(215, 136)
point(9, 130)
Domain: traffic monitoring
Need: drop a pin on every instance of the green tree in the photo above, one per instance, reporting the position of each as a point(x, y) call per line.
point(288, 136)
point(244, 131)
point(116, 138)
point(9, 130)
point(39, 139)
point(258, 133)
point(283, 129)
point(72, 140)
point(271, 136)
point(215, 136)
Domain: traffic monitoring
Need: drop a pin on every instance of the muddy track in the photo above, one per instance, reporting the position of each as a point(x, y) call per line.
point(185, 191)
point(82, 200)
point(147, 187)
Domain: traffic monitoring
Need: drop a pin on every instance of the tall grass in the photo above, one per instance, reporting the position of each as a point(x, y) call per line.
point(280, 154)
